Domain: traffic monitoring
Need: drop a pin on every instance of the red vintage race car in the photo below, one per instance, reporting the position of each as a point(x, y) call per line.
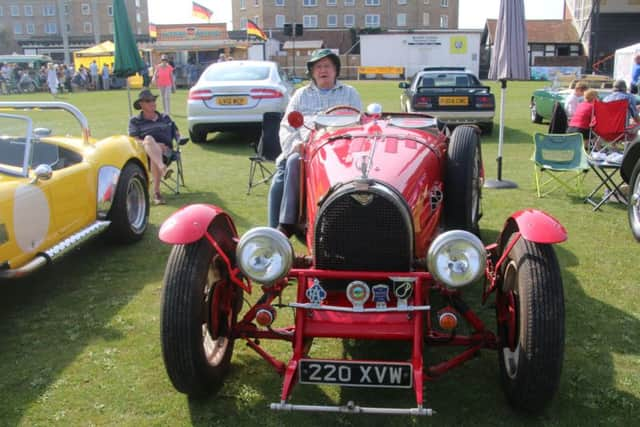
point(391, 211)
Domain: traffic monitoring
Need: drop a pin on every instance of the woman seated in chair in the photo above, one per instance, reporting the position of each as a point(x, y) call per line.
point(156, 132)
point(581, 120)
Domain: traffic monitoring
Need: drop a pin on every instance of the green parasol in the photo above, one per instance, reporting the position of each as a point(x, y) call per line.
point(127, 57)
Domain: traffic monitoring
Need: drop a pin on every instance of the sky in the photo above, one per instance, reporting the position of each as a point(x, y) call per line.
point(473, 13)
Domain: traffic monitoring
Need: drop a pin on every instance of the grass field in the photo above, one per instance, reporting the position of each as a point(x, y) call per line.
point(79, 341)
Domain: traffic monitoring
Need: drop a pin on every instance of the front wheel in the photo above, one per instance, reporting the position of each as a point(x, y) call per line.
point(463, 186)
point(530, 314)
point(535, 117)
point(129, 214)
point(634, 202)
point(199, 310)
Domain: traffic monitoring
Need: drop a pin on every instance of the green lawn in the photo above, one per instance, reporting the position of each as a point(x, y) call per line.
point(79, 341)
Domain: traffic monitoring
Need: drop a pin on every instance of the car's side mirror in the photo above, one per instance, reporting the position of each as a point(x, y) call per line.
point(42, 172)
point(403, 85)
point(183, 140)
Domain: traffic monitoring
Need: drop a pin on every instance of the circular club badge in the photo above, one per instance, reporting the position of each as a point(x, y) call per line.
point(358, 293)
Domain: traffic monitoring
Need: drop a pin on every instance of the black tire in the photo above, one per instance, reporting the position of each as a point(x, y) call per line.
point(535, 117)
point(634, 201)
point(530, 313)
point(129, 214)
point(487, 128)
point(197, 352)
point(463, 188)
point(197, 137)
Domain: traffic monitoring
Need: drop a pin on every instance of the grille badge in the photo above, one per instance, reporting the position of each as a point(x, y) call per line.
point(363, 198)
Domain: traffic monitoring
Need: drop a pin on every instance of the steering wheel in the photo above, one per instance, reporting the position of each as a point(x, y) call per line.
point(342, 109)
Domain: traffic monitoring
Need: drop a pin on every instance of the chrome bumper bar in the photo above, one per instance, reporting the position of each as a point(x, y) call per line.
point(352, 408)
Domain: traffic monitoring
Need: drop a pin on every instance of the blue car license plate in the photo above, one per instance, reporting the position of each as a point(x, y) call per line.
point(355, 373)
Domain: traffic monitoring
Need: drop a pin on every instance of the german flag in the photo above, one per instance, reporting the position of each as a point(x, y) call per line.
point(199, 11)
point(153, 31)
point(254, 30)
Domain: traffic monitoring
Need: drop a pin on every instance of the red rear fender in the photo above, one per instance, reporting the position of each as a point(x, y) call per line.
point(191, 222)
point(535, 226)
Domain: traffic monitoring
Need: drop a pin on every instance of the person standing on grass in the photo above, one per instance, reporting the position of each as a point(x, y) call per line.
point(163, 78)
point(52, 79)
point(105, 76)
point(156, 132)
point(93, 71)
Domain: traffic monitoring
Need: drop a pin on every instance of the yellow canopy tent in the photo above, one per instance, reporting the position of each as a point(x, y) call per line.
point(103, 54)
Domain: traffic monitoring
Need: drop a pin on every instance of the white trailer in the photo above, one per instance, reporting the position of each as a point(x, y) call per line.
point(414, 51)
point(623, 62)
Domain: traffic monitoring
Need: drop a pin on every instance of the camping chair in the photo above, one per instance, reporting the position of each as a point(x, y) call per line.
point(609, 130)
point(175, 180)
point(267, 150)
point(556, 154)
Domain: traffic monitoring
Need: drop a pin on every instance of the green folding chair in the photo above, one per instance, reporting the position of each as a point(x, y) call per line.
point(559, 162)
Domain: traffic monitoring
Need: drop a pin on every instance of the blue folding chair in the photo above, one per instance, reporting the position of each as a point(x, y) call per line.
point(559, 162)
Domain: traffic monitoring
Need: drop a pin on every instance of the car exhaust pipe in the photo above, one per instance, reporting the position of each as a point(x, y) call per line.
point(56, 252)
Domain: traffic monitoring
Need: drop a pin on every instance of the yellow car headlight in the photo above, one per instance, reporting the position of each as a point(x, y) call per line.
point(456, 258)
point(264, 255)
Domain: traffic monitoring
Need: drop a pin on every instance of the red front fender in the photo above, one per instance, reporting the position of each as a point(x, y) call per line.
point(535, 226)
point(190, 224)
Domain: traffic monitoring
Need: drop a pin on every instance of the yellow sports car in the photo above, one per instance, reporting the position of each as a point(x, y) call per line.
point(59, 191)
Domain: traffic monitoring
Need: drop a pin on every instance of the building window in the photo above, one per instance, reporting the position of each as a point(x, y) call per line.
point(401, 20)
point(68, 28)
point(309, 3)
point(28, 10)
point(372, 21)
point(31, 28)
point(350, 3)
point(243, 6)
point(50, 28)
point(256, 20)
point(402, 2)
point(349, 20)
point(332, 3)
point(1, 11)
point(49, 11)
point(85, 9)
point(280, 21)
point(332, 20)
point(243, 23)
point(280, 3)
point(427, 1)
point(137, 3)
point(67, 8)
point(110, 10)
point(17, 28)
point(372, 2)
point(111, 28)
point(444, 21)
point(310, 21)
point(138, 17)
point(256, 3)
point(444, 3)
point(15, 11)
point(426, 17)
point(86, 27)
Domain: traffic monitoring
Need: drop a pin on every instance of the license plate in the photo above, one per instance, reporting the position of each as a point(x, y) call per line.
point(453, 100)
point(355, 373)
point(231, 100)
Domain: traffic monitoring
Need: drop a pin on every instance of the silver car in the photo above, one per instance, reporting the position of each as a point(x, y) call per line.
point(235, 94)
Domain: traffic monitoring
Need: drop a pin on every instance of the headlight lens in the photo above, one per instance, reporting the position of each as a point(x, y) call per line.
point(264, 255)
point(456, 258)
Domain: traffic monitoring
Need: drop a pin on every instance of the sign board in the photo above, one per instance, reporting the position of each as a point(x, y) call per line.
point(414, 51)
point(192, 32)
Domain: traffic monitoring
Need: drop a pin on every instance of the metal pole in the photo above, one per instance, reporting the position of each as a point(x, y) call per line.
point(499, 183)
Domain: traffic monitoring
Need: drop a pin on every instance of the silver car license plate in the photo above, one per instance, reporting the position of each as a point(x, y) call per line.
point(355, 373)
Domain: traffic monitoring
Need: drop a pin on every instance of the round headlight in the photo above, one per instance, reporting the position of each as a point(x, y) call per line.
point(265, 255)
point(456, 258)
